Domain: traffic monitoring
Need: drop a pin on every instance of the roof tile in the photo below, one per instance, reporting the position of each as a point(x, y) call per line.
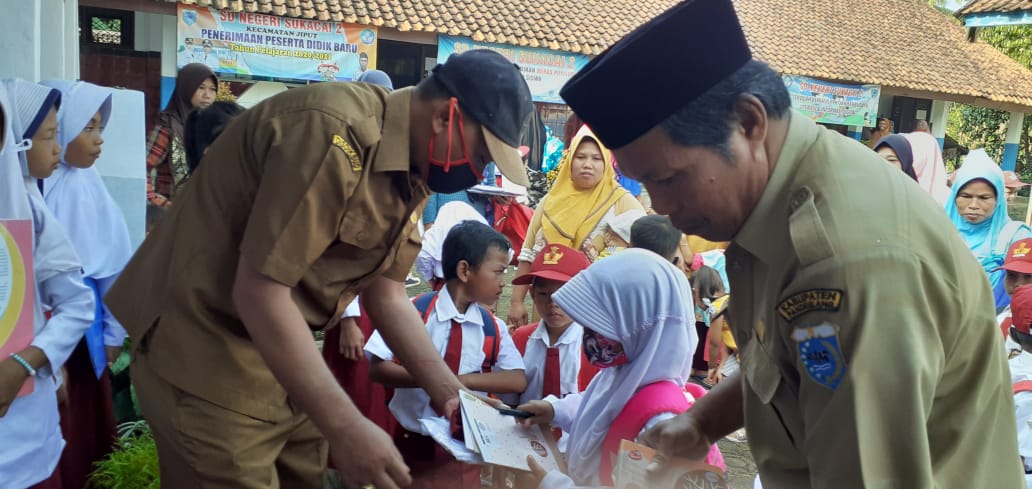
point(929, 52)
point(993, 6)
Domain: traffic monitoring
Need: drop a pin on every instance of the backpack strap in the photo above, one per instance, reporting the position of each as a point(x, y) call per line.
point(521, 337)
point(1023, 386)
point(656, 398)
point(492, 339)
point(425, 303)
point(1003, 242)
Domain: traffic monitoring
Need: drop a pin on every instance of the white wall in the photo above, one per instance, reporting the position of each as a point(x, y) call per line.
point(19, 36)
point(122, 164)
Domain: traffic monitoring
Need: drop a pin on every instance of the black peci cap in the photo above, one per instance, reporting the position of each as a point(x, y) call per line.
point(670, 60)
point(492, 91)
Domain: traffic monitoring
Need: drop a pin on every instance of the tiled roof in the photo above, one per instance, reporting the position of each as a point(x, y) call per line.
point(904, 45)
point(994, 6)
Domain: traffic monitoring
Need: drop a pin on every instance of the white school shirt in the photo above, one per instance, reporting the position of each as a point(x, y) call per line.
point(569, 345)
point(30, 432)
point(409, 405)
point(1021, 370)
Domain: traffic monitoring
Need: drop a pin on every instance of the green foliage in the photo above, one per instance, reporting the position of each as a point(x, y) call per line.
point(979, 127)
point(133, 464)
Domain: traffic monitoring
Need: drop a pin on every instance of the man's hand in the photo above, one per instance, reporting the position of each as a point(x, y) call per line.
point(365, 455)
point(12, 377)
point(678, 437)
point(351, 340)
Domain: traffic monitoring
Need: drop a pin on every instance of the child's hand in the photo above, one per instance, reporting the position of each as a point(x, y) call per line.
point(351, 339)
point(542, 411)
point(532, 479)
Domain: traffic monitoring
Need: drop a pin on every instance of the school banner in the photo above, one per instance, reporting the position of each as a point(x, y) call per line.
point(545, 71)
point(265, 46)
point(17, 291)
point(834, 103)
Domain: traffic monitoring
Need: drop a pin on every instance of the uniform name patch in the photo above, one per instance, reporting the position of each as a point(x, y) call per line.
point(820, 354)
point(356, 162)
point(810, 300)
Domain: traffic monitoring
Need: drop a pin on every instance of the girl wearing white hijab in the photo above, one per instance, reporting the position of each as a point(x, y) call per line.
point(78, 198)
point(637, 309)
point(30, 434)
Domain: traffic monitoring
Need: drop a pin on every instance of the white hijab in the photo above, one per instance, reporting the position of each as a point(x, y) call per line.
point(53, 253)
point(14, 204)
point(645, 302)
point(77, 196)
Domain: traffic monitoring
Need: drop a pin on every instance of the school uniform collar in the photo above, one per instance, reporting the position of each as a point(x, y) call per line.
point(393, 152)
point(569, 337)
point(447, 311)
point(771, 212)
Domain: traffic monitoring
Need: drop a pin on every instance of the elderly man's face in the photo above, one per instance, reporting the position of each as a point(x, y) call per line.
point(702, 191)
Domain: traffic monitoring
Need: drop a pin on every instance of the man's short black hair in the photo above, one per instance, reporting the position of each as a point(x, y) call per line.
point(363, 55)
point(469, 241)
point(203, 127)
point(707, 121)
point(656, 234)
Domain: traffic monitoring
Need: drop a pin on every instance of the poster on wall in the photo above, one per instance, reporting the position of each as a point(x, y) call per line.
point(545, 71)
point(17, 291)
point(834, 103)
point(266, 46)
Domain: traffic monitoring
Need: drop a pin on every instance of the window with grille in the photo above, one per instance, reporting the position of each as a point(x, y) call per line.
point(106, 27)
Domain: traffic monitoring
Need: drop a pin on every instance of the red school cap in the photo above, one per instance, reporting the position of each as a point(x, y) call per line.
point(554, 262)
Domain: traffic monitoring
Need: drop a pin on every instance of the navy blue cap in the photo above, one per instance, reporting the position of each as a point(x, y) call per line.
point(670, 61)
point(491, 90)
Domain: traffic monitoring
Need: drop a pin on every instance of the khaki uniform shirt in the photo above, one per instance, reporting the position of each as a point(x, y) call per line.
point(869, 348)
point(313, 188)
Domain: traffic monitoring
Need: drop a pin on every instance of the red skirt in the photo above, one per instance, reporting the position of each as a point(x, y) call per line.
point(87, 419)
point(369, 397)
point(432, 466)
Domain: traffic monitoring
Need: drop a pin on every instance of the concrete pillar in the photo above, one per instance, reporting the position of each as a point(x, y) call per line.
point(169, 50)
point(1010, 145)
point(40, 39)
point(855, 132)
point(940, 113)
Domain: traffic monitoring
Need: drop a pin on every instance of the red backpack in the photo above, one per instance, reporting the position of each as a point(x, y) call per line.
point(512, 220)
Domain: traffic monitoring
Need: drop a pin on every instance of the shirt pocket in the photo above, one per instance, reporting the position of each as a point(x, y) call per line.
point(760, 371)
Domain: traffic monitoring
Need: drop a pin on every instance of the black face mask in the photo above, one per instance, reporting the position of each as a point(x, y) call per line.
point(459, 177)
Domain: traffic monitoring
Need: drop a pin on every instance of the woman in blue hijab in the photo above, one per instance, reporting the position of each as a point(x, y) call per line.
point(979, 211)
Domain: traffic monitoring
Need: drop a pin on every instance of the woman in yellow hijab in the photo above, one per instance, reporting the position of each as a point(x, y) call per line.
point(584, 197)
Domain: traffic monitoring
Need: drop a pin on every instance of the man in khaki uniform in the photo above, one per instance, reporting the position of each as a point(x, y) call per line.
point(870, 356)
point(303, 202)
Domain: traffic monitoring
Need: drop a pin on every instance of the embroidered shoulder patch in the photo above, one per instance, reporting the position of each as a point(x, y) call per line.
point(810, 300)
point(356, 162)
point(820, 354)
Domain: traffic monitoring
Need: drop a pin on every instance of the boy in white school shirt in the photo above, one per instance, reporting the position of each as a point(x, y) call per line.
point(472, 341)
point(551, 348)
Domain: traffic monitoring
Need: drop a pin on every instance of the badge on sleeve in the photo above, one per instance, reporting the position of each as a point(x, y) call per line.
point(820, 353)
point(353, 159)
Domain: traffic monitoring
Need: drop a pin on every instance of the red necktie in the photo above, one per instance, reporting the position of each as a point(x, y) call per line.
point(551, 384)
point(453, 354)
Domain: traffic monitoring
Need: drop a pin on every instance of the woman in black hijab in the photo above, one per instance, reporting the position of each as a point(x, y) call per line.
point(896, 150)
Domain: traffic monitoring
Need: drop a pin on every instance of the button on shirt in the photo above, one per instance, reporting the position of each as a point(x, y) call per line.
point(409, 405)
